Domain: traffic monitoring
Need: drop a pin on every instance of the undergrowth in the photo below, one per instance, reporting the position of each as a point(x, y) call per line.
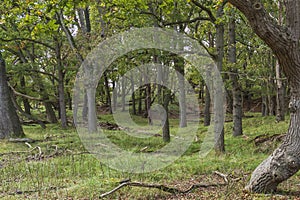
point(57, 165)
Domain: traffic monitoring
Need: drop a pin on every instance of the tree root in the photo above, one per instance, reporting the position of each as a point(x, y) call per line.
point(264, 138)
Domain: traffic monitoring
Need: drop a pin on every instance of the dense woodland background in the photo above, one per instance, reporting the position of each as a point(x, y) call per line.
point(43, 44)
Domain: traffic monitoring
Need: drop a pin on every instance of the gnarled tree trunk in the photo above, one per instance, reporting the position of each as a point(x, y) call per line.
point(284, 41)
point(10, 125)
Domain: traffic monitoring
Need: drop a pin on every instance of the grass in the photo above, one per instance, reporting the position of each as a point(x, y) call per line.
point(65, 170)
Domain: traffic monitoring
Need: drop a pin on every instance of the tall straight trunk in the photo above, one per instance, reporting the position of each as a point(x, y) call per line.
point(61, 85)
point(108, 98)
point(284, 41)
point(207, 116)
point(69, 102)
point(115, 96)
point(26, 104)
point(280, 89)
point(166, 126)
point(133, 94)
point(10, 125)
point(123, 91)
point(148, 97)
point(236, 88)
point(219, 137)
point(179, 66)
point(91, 104)
point(280, 94)
point(207, 107)
point(159, 84)
point(264, 106)
point(140, 96)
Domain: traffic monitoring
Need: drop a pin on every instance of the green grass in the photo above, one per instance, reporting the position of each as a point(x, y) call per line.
point(65, 170)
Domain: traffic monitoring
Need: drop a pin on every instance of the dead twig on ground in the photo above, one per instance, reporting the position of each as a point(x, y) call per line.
point(162, 187)
point(224, 176)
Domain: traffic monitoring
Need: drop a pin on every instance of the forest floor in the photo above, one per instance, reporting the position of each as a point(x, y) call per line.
point(57, 165)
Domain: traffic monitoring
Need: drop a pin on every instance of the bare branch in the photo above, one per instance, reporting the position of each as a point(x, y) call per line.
point(207, 10)
point(24, 95)
point(186, 21)
point(162, 187)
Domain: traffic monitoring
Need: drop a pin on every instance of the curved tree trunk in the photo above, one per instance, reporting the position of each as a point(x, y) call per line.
point(10, 125)
point(284, 41)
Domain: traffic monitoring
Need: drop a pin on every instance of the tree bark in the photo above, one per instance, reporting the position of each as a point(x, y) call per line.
point(284, 41)
point(236, 88)
point(179, 67)
point(26, 104)
point(219, 137)
point(61, 85)
point(10, 125)
point(207, 107)
point(123, 91)
point(107, 90)
point(133, 93)
point(166, 126)
point(140, 95)
point(115, 96)
point(280, 93)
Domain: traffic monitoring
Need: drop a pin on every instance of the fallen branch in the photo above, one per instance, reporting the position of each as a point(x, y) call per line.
point(162, 187)
point(224, 176)
point(21, 140)
point(264, 138)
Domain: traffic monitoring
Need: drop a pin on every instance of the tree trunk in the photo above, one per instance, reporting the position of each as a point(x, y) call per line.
point(133, 94)
point(123, 91)
point(236, 88)
point(166, 126)
point(148, 97)
point(179, 67)
point(280, 94)
point(140, 95)
point(264, 106)
point(108, 97)
point(61, 86)
point(207, 107)
point(91, 104)
point(10, 125)
point(27, 107)
point(219, 137)
point(115, 96)
point(284, 41)
point(280, 90)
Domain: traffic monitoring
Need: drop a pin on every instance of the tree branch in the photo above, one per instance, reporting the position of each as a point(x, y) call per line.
point(69, 36)
point(162, 187)
point(29, 40)
point(24, 95)
point(186, 21)
point(41, 72)
point(207, 10)
point(263, 25)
